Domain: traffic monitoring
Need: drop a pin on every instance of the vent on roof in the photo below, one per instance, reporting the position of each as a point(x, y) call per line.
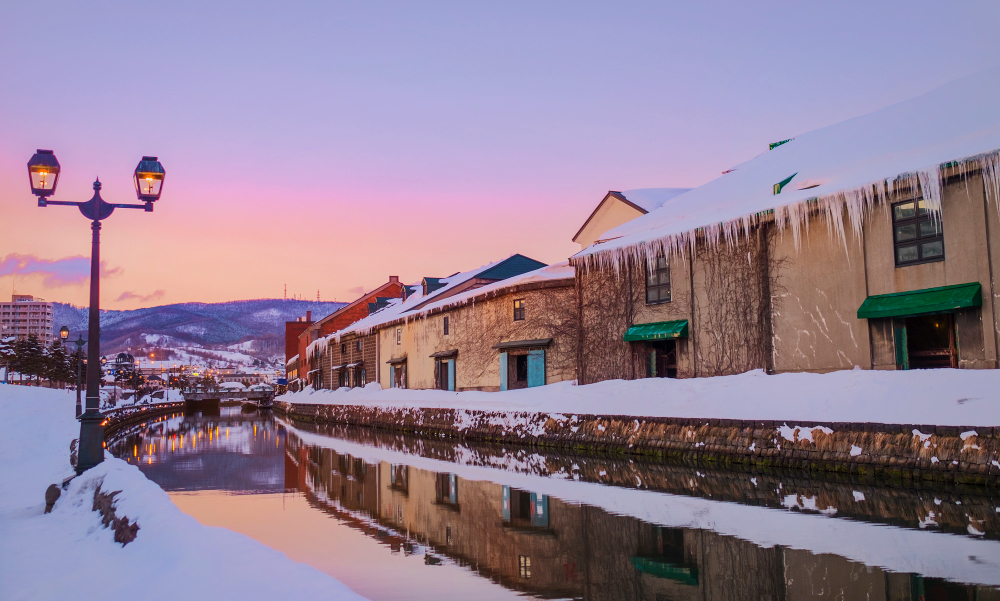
point(778, 186)
point(431, 284)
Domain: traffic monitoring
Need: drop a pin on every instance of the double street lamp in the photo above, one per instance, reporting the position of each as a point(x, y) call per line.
point(43, 175)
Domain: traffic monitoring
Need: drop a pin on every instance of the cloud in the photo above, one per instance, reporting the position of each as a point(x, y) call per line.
point(132, 296)
point(358, 291)
point(67, 271)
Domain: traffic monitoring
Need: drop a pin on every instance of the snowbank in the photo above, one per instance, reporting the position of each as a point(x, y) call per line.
point(944, 397)
point(69, 555)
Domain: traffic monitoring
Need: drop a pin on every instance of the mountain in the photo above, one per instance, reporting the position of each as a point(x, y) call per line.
point(224, 332)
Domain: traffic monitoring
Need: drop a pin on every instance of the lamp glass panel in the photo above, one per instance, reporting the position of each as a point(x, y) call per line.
point(149, 183)
point(43, 179)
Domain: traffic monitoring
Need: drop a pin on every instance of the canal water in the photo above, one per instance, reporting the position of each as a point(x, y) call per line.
point(399, 517)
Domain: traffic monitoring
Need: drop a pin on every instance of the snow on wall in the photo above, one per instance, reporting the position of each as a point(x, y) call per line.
point(854, 165)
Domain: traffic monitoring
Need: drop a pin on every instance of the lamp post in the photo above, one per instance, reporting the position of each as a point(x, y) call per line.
point(79, 342)
point(43, 175)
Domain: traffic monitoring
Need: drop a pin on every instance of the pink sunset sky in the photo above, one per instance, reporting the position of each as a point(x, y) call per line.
point(328, 145)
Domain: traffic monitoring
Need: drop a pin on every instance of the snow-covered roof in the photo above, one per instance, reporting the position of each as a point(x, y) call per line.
point(856, 163)
point(650, 199)
point(401, 309)
point(290, 361)
point(556, 271)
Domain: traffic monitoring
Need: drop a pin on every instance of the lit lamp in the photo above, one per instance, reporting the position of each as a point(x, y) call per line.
point(43, 171)
point(64, 333)
point(148, 178)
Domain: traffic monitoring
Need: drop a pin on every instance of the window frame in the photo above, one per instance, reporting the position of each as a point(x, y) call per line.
point(399, 336)
point(519, 309)
point(659, 286)
point(447, 324)
point(918, 241)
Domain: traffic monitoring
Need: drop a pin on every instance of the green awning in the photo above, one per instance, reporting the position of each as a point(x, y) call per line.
point(661, 330)
point(921, 302)
point(670, 571)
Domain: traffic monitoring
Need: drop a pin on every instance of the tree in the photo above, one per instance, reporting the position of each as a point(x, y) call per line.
point(7, 356)
point(57, 366)
point(30, 357)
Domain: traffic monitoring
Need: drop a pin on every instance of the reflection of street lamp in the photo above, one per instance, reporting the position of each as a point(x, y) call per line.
point(79, 342)
point(43, 174)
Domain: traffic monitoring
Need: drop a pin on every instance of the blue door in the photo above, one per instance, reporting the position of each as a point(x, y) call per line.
point(536, 368)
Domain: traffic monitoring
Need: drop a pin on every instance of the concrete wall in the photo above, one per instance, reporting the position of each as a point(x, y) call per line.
point(820, 286)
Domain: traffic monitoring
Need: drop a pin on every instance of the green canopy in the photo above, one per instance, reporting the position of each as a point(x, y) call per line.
point(920, 302)
point(671, 571)
point(660, 330)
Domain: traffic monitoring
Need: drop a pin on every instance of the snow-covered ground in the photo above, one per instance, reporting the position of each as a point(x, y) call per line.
point(68, 554)
point(944, 397)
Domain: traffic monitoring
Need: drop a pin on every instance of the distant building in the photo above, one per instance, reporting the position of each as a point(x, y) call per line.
point(25, 315)
point(617, 208)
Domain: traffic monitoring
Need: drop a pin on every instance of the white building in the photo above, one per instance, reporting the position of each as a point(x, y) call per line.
point(25, 315)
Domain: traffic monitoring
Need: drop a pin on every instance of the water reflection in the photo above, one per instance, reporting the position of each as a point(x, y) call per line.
point(511, 530)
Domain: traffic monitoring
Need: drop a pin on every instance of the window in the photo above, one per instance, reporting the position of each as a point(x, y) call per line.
point(519, 310)
point(524, 566)
point(399, 336)
point(916, 233)
point(445, 325)
point(343, 348)
point(658, 283)
point(358, 346)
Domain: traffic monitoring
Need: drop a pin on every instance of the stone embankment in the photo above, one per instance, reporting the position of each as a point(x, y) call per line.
point(960, 454)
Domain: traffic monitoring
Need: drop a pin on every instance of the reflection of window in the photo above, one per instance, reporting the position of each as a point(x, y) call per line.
point(446, 489)
point(519, 310)
point(658, 283)
point(916, 233)
point(399, 478)
point(524, 566)
point(526, 510)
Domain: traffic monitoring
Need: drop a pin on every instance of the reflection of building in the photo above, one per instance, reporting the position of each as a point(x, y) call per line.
point(543, 546)
point(25, 315)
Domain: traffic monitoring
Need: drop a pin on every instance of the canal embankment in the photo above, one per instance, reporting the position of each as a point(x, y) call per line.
point(72, 552)
point(941, 425)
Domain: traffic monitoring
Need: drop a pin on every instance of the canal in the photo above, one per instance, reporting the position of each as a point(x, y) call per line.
point(400, 517)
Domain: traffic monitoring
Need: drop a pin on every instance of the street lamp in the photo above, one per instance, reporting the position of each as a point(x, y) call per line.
point(43, 174)
point(79, 342)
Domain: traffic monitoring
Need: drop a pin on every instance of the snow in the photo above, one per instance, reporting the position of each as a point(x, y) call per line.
point(651, 199)
point(854, 164)
point(947, 397)
point(68, 554)
point(807, 527)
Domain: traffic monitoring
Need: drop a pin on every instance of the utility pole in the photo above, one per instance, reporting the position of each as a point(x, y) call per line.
point(286, 291)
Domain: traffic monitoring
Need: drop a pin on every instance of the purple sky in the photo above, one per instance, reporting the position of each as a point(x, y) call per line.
point(329, 145)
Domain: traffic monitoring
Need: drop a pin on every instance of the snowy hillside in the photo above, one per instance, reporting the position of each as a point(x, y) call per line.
point(237, 331)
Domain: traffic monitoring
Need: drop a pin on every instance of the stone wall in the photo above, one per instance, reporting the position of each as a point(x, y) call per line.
point(962, 454)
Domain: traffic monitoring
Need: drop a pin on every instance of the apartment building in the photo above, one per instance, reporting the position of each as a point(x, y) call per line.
point(25, 315)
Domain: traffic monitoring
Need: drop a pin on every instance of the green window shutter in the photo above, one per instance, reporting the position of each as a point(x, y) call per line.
point(899, 339)
point(536, 368)
point(503, 371)
point(451, 374)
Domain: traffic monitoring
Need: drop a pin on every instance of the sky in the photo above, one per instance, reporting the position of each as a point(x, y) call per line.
point(328, 145)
